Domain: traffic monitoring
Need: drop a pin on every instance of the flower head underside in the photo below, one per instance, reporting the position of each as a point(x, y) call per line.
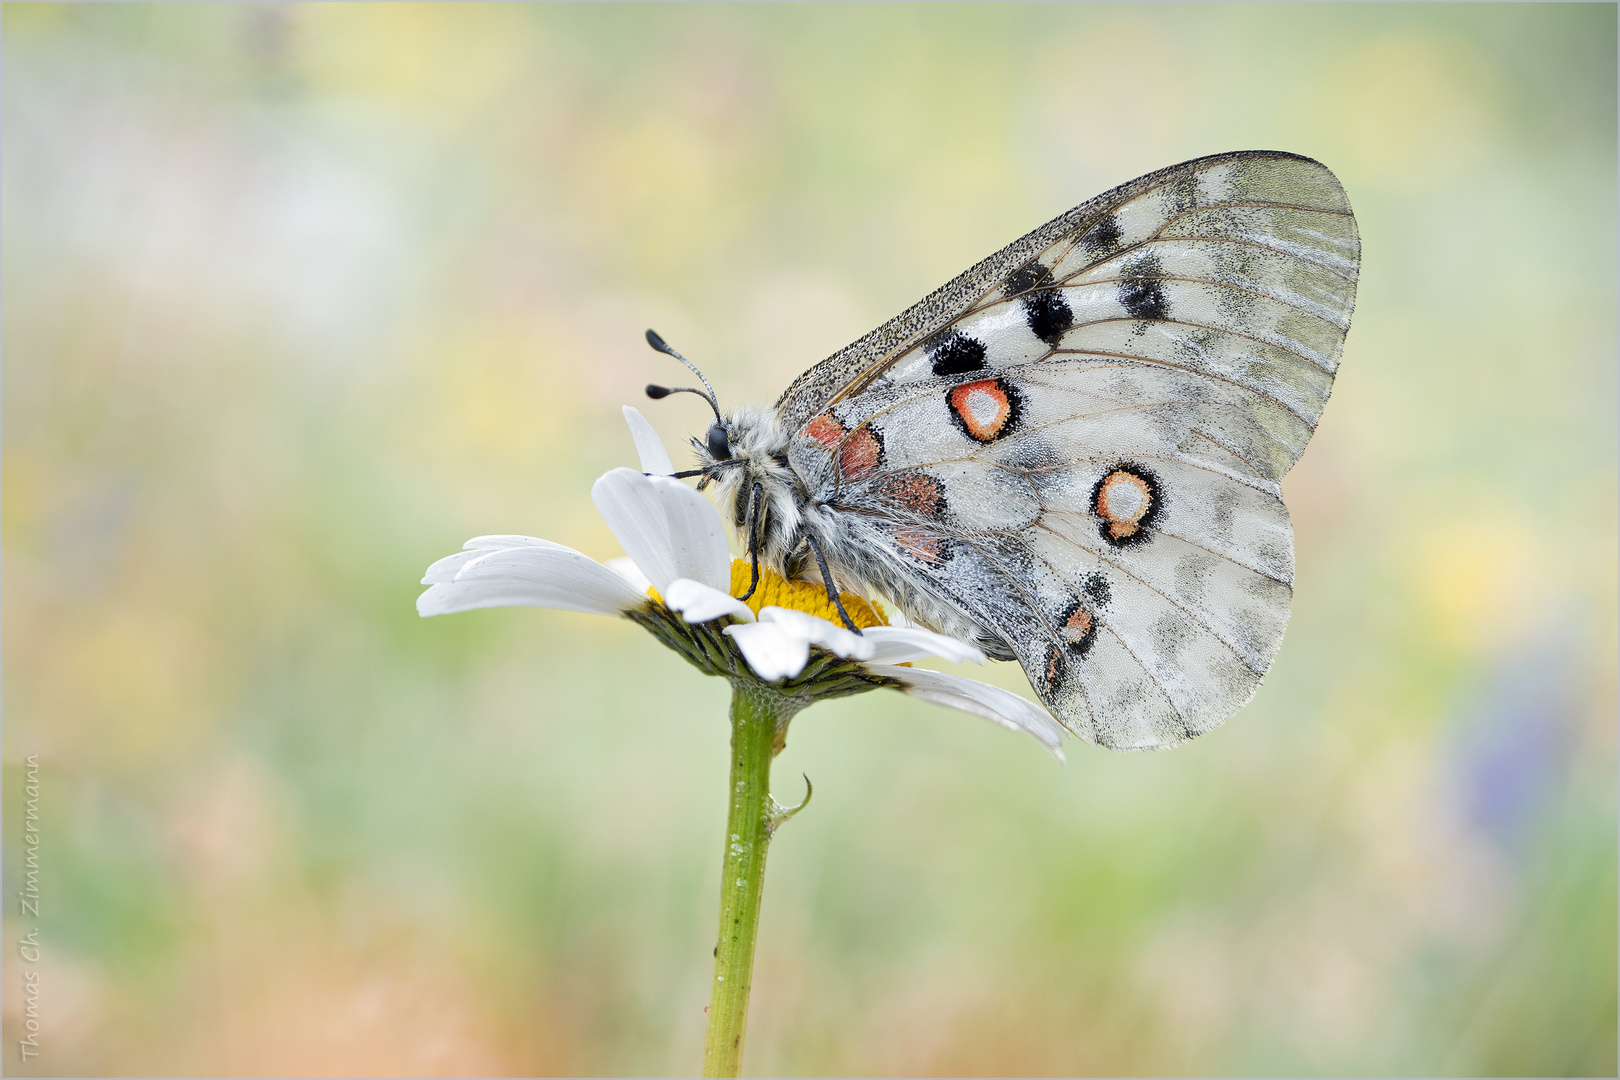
point(680, 583)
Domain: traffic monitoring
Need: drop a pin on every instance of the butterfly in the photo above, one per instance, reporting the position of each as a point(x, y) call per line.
point(1069, 454)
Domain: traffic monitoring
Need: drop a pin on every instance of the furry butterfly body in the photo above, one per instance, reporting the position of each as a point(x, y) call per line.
point(1069, 455)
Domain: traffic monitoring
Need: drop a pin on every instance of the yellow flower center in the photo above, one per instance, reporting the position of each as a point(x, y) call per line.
point(807, 596)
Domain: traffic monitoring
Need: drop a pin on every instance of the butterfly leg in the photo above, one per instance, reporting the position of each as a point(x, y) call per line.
point(826, 579)
point(753, 540)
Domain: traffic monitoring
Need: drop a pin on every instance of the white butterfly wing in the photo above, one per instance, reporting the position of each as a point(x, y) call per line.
point(1077, 443)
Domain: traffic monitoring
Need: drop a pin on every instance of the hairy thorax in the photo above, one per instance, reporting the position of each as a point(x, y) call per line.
point(764, 498)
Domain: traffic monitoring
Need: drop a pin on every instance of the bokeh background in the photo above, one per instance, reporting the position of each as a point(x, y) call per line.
point(296, 299)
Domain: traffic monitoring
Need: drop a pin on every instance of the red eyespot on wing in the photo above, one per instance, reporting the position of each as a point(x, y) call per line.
point(823, 429)
point(861, 453)
point(1079, 629)
point(918, 544)
point(919, 493)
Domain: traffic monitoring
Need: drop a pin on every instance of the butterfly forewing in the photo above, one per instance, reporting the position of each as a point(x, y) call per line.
point(1077, 443)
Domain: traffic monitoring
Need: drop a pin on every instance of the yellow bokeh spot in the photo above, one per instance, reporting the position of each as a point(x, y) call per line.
point(806, 596)
point(1484, 584)
point(1415, 112)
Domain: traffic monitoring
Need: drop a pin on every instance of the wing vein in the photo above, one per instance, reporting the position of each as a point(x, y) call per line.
point(1103, 557)
point(1181, 719)
point(1223, 556)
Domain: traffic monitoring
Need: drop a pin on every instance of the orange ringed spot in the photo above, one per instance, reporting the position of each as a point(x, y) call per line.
point(1079, 629)
point(1125, 500)
point(984, 410)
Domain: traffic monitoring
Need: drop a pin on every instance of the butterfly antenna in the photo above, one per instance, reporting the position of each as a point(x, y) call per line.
point(658, 393)
point(664, 347)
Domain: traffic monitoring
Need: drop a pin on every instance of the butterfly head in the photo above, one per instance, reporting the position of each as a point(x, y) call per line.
point(744, 452)
point(717, 443)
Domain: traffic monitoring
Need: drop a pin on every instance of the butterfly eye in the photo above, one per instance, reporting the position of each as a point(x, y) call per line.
point(719, 443)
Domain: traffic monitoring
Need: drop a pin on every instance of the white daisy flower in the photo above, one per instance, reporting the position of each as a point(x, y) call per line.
point(680, 582)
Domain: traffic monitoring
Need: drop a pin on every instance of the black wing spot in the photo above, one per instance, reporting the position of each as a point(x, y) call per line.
point(1046, 311)
point(1032, 275)
point(1048, 315)
point(1102, 236)
point(1181, 194)
point(1095, 586)
point(1140, 292)
point(954, 353)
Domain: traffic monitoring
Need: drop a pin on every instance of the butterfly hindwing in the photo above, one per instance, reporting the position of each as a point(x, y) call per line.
point(1097, 534)
point(1076, 444)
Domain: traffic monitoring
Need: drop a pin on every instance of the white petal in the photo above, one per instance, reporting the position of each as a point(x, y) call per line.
point(626, 568)
point(626, 501)
point(446, 568)
point(903, 644)
point(816, 631)
point(771, 651)
point(697, 536)
point(969, 695)
point(536, 574)
point(698, 603)
point(497, 541)
point(649, 447)
point(667, 528)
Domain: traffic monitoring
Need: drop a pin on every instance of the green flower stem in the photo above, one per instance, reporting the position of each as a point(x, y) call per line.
point(759, 719)
point(760, 712)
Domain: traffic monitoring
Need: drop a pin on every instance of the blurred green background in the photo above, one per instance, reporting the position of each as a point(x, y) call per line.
point(299, 298)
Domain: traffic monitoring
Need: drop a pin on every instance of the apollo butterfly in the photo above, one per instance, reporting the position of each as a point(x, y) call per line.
point(1069, 455)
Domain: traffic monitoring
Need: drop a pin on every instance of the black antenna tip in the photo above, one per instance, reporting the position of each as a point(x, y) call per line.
point(656, 342)
point(657, 392)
